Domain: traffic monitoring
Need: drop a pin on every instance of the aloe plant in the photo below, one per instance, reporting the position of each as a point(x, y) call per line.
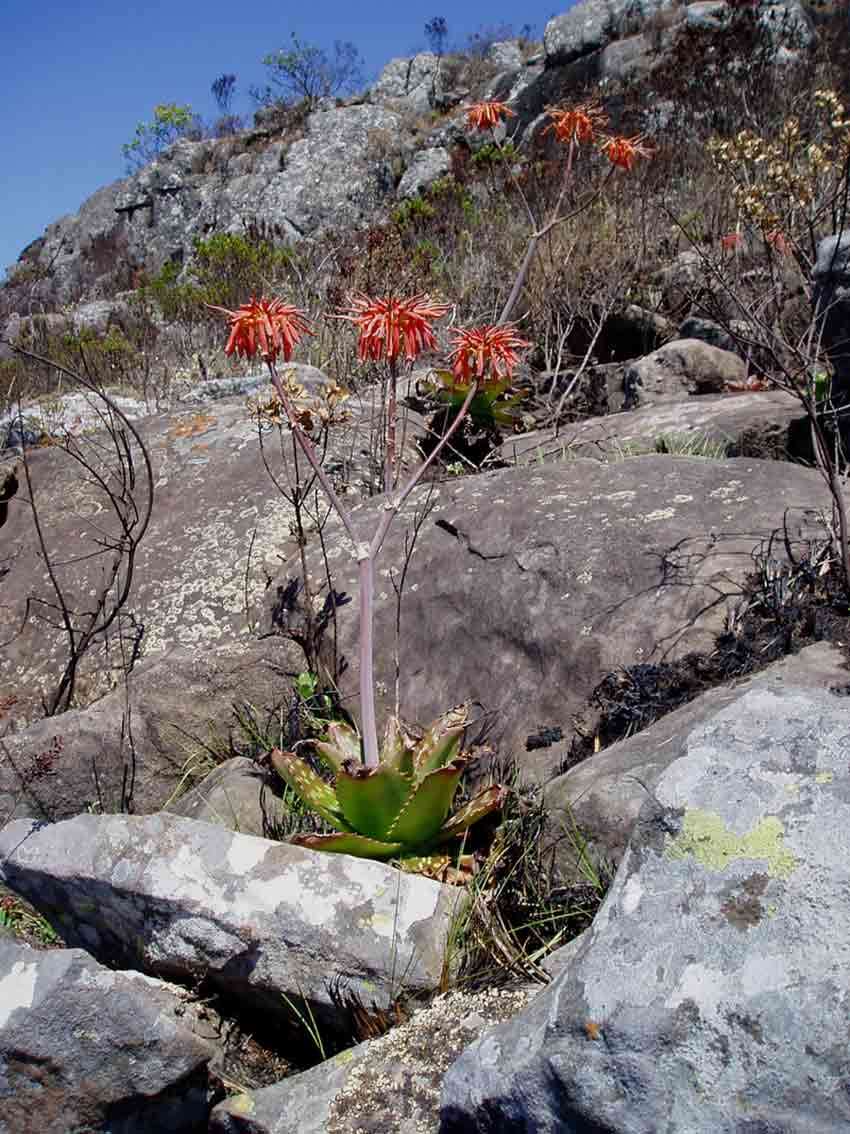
point(398, 809)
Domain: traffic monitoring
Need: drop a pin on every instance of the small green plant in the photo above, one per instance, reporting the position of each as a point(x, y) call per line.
point(170, 122)
point(493, 407)
point(21, 920)
point(414, 208)
point(398, 809)
point(491, 153)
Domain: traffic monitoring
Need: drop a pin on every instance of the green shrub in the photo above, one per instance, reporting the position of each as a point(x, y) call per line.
point(170, 122)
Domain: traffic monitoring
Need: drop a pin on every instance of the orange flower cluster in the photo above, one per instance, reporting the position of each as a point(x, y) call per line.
point(485, 115)
point(267, 327)
point(624, 152)
point(389, 326)
point(576, 123)
point(488, 352)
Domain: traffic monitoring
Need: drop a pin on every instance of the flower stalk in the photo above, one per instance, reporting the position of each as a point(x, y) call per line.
point(387, 327)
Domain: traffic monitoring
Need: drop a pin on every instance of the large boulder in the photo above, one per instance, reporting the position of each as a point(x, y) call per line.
point(709, 995)
point(86, 1048)
point(591, 24)
point(681, 368)
point(409, 83)
point(218, 528)
point(602, 796)
point(268, 923)
point(525, 587)
point(237, 795)
point(137, 747)
point(428, 166)
point(831, 299)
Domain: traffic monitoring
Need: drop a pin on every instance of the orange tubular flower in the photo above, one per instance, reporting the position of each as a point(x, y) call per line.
point(267, 327)
point(389, 326)
point(777, 241)
point(484, 115)
point(624, 152)
point(731, 242)
point(576, 124)
point(488, 352)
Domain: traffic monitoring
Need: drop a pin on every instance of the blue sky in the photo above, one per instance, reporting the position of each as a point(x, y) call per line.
point(75, 78)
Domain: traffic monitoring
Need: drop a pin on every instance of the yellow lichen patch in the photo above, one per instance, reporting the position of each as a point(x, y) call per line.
point(241, 1104)
point(824, 778)
point(705, 837)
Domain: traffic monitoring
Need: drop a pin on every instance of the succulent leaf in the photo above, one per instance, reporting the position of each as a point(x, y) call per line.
point(427, 807)
point(340, 743)
point(309, 787)
point(440, 744)
point(489, 800)
point(349, 842)
point(397, 748)
point(453, 869)
point(372, 798)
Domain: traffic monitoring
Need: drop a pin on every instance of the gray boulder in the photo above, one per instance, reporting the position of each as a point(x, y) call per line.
point(235, 795)
point(266, 922)
point(628, 58)
point(602, 796)
point(831, 300)
point(86, 1048)
point(707, 331)
point(137, 747)
point(709, 996)
point(218, 528)
point(682, 368)
point(412, 83)
point(707, 15)
point(506, 54)
point(427, 167)
point(592, 24)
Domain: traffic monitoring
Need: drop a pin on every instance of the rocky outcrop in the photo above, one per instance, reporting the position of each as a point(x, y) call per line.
point(413, 83)
point(764, 424)
point(218, 524)
point(266, 922)
point(136, 747)
point(709, 995)
point(331, 177)
point(427, 167)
